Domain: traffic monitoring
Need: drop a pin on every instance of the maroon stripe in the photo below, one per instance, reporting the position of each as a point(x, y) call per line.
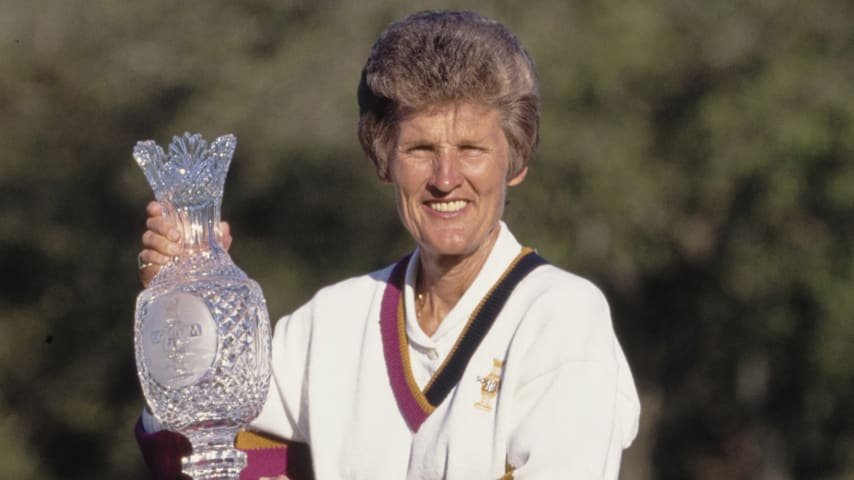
point(265, 462)
point(406, 402)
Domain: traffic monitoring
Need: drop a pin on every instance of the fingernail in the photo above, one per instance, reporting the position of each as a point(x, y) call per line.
point(173, 234)
point(174, 250)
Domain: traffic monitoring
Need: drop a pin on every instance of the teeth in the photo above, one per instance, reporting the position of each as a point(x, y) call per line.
point(448, 206)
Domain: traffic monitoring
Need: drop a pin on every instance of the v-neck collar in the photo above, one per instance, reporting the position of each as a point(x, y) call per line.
point(416, 405)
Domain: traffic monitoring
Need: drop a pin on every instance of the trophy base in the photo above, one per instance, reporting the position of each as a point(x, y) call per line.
point(214, 462)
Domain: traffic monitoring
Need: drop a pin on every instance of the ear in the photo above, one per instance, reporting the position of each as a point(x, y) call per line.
point(518, 178)
point(384, 177)
point(384, 174)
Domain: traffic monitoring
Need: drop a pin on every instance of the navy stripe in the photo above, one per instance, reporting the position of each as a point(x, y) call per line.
point(450, 375)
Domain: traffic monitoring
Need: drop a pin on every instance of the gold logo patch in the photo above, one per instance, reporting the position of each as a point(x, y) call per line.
point(489, 386)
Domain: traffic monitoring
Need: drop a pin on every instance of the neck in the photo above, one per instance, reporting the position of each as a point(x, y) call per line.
point(443, 279)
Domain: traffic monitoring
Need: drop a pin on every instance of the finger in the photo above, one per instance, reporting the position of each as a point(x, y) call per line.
point(146, 275)
point(150, 262)
point(160, 244)
point(159, 223)
point(154, 209)
point(163, 227)
point(225, 234)
point(153, 258)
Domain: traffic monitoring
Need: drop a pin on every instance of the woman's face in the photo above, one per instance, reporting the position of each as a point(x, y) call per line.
point(449, 169)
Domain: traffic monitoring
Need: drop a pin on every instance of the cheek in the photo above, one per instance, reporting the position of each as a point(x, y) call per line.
point(401, 189)
point(399, 197)
point(494, 182)
point(404, 203)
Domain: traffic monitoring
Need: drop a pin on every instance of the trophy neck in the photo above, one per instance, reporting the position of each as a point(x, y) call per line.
point(198, 227)
point(202, 253)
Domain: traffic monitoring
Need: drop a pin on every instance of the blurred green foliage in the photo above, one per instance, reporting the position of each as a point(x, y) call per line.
point(696, 162)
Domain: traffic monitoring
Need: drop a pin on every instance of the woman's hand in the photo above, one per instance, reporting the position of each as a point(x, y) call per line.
point(160, 242)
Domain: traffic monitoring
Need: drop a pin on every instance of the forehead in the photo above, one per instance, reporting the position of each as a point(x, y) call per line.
point(456, 120)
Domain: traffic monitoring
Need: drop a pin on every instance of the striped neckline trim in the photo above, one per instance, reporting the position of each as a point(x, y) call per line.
point(416, 405)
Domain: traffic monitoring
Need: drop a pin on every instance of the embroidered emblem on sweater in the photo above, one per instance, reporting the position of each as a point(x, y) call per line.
point(489, 386)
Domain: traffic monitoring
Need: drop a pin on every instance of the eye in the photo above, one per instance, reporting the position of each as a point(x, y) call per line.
point(472, 150)
point(420, 149)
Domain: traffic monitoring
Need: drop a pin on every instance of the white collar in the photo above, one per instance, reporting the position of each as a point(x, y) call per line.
point(506, 249)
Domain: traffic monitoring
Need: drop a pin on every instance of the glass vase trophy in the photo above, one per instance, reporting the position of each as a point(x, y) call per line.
point(202, 332)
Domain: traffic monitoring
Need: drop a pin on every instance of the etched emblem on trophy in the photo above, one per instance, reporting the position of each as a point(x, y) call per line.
point(202, 332)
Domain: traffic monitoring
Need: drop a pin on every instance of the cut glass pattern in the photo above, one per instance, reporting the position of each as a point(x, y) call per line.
point(202, 332)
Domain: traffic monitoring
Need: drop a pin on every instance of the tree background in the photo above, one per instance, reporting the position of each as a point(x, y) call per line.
point(696, 163)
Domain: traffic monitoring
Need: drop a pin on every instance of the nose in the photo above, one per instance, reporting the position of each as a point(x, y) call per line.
point(446, 174)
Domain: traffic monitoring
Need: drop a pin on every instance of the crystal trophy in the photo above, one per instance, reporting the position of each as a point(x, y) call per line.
point(202, 332)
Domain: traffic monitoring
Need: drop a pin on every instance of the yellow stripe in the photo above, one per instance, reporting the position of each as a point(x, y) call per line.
point(508, 469)
point(247, 440)
point(404, 355)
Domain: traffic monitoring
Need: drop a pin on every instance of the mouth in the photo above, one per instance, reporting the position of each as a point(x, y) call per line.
point(448, 206)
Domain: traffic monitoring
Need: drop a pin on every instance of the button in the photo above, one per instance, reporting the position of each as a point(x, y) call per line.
point(432, 354)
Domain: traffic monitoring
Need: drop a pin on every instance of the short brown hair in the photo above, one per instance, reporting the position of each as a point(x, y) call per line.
point(435, 57)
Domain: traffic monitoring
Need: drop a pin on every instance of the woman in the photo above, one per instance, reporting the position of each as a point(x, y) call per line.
point(471, 358)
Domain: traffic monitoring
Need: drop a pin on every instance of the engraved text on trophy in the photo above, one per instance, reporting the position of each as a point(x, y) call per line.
point(179, 339)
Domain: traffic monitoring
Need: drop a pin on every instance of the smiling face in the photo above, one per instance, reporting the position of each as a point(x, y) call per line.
point(449, 169)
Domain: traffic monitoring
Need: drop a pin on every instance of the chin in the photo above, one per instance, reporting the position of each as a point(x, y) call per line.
point(449, 249)
point(449, 253)
point(452, 244)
